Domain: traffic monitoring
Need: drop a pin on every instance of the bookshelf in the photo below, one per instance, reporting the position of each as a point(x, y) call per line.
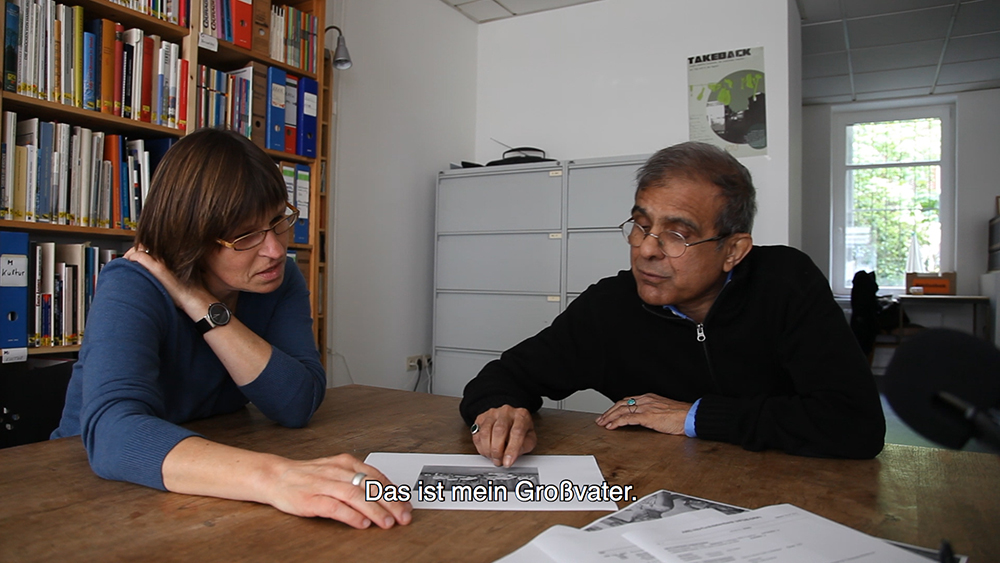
point(223, 56)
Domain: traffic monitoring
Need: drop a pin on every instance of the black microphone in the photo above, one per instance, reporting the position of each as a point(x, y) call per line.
point(945, 385)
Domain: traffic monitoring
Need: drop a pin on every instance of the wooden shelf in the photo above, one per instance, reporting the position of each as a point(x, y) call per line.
point(53, 111)
point(287, 156)
point(50, 350)
point(131, 18)
point(231, 57)
point(67, 229)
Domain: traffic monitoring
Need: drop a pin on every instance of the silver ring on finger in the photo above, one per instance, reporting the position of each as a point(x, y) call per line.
point(358, 478)
point(474, 429)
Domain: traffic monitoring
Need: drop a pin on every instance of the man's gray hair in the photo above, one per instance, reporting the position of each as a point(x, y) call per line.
point(708, 163)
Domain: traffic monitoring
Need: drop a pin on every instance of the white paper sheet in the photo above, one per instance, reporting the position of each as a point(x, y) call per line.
point(530, 552)
point(569, 545)
point(471, 482)
point(778, 534)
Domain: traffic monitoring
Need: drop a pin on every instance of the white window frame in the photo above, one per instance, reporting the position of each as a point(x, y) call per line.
point(839, 182)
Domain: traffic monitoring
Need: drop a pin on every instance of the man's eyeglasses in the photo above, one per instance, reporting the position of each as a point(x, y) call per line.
point(672, 244)
point(279, 226)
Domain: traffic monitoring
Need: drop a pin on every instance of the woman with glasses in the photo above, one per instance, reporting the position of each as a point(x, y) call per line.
point(205, 314)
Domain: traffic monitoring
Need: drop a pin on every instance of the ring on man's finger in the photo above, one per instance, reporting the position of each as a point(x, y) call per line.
point(358, 478)
point(475, 428)
point(630, 402)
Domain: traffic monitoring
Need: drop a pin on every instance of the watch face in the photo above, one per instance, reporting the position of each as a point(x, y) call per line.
point(219, 314)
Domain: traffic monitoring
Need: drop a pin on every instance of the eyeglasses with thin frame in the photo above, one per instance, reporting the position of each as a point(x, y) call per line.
point(280, 226)
point(672, 244)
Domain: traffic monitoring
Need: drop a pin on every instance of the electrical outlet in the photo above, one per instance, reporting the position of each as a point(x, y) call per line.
point(411, 362)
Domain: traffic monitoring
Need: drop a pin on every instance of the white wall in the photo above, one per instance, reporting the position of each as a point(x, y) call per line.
point(406, 108)
point(977, 182)
point(609, 78)
point(816, 198)
point(976, 126)
point(794, 108)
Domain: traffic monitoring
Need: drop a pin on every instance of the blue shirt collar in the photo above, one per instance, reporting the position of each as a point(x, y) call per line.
point(677, 312)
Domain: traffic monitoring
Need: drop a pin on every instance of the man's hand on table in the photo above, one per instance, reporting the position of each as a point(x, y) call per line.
point(649, 410)
point(505, 433)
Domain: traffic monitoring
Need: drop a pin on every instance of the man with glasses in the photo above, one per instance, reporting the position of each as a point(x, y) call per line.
point(706, 336)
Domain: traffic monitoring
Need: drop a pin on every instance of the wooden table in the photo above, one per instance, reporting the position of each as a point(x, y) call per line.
point(53, 508)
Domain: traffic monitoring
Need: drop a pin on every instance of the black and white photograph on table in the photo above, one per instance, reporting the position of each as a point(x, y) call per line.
point(451, 475)
point(660, 504)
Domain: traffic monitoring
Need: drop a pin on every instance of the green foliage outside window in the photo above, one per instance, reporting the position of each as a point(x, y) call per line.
point(895, 176)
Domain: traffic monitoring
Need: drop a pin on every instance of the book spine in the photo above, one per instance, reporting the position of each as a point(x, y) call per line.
point(127, 55)
point(73, 213)
point(65, 157)
point(9, 142)
point(35, 334)
point(22, 59)
point(78, 56)
point(178, 85)
point(108, 66)
point(68, 26)
point(161, 79)
point(116, 103)
point(46, 267)
point(31, 191)
point(46, 14)
point(89, 71)
point(11, 40)
point(86, 155)
point(146, 84)
point(32, 68)
point(182, 97)
point(58, 299)
point(57, 51)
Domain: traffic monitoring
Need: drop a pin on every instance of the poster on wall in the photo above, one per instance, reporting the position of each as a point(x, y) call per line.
point(726, 100)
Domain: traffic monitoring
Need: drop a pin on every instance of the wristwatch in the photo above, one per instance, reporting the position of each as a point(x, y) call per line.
point(218, 315)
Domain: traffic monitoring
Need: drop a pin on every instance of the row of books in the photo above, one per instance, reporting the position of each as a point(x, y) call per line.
point(289, 35)
point(274, 109)
point(171, 11)
point(297, 179)
point(57, 173)
point(294, 36)
point(55, 53)
point(48, 290)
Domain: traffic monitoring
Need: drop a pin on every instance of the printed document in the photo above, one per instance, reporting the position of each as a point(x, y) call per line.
point(471, 482)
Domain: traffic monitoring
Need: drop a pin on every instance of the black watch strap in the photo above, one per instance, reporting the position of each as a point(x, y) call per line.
point(218, 315)
point(204, 325)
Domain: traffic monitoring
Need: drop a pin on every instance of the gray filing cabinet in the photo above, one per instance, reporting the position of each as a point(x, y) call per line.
point(514, 244)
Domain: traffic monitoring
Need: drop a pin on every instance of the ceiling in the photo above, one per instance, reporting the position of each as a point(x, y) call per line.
point(482, 11)
point(857, 50)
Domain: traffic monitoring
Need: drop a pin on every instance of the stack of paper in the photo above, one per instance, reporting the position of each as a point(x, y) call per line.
point(700, 530)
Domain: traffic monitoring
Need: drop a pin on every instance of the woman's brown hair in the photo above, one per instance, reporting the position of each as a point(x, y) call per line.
point(208, 185)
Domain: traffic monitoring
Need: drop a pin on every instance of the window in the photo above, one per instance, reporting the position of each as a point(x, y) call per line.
point(893, 195)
